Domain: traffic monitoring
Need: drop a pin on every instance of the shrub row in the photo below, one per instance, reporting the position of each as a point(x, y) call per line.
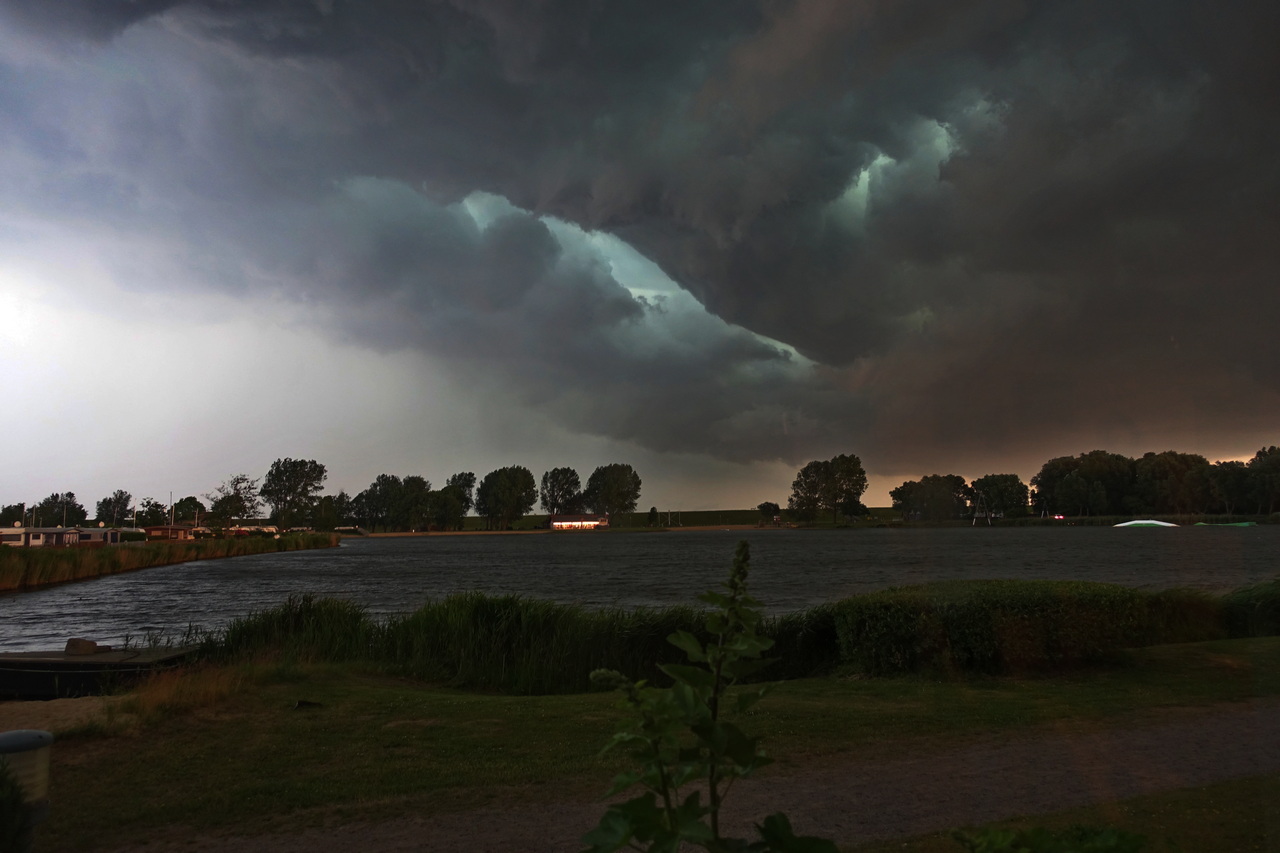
point(1011, 626)
point(28, 568)
point(528, 646)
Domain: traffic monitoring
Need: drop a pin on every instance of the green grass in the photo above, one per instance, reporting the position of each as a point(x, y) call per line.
point(246, 760)
point(1229, 817)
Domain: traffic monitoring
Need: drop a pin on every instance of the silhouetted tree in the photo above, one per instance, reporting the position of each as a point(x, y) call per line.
point(113, 510)
point(237, 498)
point(291, 487)
point(1231, 484)
point(935, 497)
point(188, 509)
point(506, 495)
point(61, 509)
point(1264, 469)
point(835, 485)
point(152, 511)
point(612, 490)
point(560, 491)
point(1002, 494)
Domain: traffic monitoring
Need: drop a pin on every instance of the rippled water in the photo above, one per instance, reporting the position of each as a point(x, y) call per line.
point(791, 570)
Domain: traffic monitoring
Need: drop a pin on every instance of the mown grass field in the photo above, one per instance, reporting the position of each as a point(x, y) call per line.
point(229, 749)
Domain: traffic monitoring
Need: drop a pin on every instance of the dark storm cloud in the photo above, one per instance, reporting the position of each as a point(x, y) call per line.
point(989, 223)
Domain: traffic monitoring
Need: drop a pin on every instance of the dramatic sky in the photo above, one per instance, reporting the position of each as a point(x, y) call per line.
point(712, 239)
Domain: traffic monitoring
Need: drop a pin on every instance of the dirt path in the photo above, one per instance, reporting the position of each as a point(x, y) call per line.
point(924, 790)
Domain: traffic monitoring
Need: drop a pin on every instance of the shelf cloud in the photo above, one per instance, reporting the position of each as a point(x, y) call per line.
point(927, 232)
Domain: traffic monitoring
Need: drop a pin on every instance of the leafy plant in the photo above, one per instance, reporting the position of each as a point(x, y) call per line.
point(1077, 839)
point(684, 744)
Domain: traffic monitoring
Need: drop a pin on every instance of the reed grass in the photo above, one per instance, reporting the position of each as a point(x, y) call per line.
point(30, 568)
point(528, 646)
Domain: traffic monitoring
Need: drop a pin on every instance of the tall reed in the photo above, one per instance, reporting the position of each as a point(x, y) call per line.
point(29, 568)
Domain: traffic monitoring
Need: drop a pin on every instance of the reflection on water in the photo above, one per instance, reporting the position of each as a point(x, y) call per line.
point(791, 570)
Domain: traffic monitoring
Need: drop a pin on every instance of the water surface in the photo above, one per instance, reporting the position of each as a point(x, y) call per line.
point(791, 570)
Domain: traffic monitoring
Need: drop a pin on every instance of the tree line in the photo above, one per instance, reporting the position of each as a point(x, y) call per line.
point(291, 490)
point(1093, 483)
point(1103, 483)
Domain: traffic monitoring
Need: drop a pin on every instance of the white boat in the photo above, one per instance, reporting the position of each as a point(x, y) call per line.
point(1146, 522)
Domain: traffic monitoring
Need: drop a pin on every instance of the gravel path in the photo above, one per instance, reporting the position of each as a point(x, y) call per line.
point(929, 789)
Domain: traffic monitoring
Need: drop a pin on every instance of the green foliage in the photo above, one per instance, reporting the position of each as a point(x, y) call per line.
point(1012, 626)
point(290, 487)
point(237, 498)
point(529, 646)
point(1253, 611)
point(15, 819)
point(835, 485)
point(1001, 494)
point(60, 509)
point(1077, 839)
point(682, 740)
point(934, 497)
point(612, 490)
point(115, 508)
point(560, 491)
point(506, 495)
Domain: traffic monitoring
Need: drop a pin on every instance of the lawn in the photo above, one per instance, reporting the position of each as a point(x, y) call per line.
point(275, 746)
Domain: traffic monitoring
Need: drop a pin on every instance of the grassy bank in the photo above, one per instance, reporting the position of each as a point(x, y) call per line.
point(231, 749)
point(29, 568)
point(526, 646)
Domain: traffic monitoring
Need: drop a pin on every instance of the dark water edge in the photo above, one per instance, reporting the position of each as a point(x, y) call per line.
point(792, 570)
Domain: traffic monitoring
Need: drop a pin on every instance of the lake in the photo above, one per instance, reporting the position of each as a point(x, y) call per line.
point(791, 570)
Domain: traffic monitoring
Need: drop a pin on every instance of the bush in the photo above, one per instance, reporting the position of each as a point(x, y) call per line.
point(1253, 611)
point(1077, 839)
point(1001, 625)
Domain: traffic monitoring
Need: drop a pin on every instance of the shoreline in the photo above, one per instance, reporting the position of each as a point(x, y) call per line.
point(690, 528)
point(29, 569)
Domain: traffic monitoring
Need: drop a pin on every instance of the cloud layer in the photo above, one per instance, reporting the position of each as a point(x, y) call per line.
point(919, 231)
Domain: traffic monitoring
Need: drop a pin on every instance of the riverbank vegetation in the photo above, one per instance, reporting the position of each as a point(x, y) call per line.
point(527, 646)
point(29, 568)
point(282, 745)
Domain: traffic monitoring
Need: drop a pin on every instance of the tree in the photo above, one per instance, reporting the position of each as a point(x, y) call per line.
point(291, 487)
point(561, 491)
point(151, 512)
point(413, 510)
point(449, 507)
point(1172, 482)
point(768, 511)
point(237, 498)
point(380, 500)
point(935, 497)
point(465, 484)
point(848, 482)
point(60, 510)
point(188, 509)
point(1264, 469)
point(11, 514)
point(1002, 494)
point(612, 490)
point(333, 511)
point(653, 516)
point(1231, 484)
point(506, 495)
point(807, 489)
point(113, 510)
point(835, 485)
